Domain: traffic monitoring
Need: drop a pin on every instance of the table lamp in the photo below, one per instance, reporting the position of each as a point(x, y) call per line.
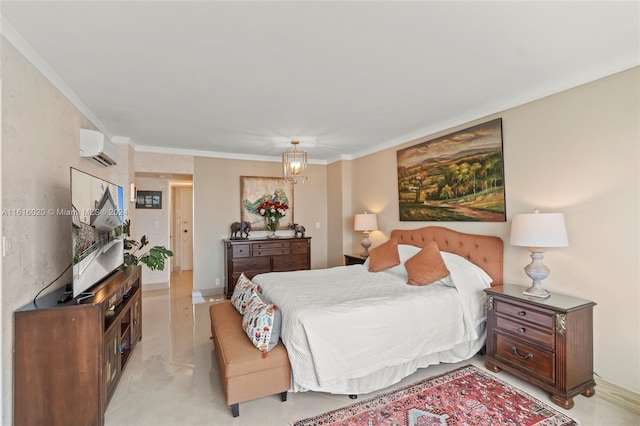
point(365, 223)
point(536, 231)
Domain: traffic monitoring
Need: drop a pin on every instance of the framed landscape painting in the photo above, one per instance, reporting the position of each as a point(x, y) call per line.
point(254, 190)
point(457, 177)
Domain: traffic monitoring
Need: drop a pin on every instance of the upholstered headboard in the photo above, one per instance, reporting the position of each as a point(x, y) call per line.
point(483, 250)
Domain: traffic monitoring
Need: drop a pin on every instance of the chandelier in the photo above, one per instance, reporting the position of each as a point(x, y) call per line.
point(294, 164)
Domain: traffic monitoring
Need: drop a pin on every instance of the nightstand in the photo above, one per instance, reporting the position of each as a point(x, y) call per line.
point(547, 342)
point(354, 259)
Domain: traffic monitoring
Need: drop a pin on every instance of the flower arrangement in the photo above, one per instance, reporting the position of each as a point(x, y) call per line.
point(272, 211)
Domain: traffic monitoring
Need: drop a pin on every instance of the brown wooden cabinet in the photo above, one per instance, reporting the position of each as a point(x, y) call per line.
point(69, 357)
point(354, 259)
point(547, 342)
point(259, 255)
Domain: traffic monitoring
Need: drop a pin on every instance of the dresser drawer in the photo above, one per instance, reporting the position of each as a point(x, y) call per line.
point(252, 264)
point(524, 313)
point(300, 248)
point(526, 357)
point(290, 263)
point(271, 249)
point(526, 331)
point(271, 246)
point(240, 250)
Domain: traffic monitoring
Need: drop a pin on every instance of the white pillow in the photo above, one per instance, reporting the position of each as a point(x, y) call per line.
point(405, 252)
point(465, 273)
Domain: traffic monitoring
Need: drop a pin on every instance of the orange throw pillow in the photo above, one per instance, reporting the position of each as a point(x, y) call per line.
point(384, 256)
point(426, 266)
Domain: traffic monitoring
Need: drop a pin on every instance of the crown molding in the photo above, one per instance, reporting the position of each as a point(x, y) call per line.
point(214, 154)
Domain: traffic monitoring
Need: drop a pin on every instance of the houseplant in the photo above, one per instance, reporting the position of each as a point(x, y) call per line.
point(154, 258)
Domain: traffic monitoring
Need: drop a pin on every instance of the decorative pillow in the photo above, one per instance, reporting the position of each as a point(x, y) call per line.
point(406, 252)
point(242, 292)
point(384, 256)
point(427, 266)
point(262, 323)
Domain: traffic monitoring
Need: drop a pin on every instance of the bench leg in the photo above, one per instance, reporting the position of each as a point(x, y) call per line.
point(235, 410)
point(283, 396)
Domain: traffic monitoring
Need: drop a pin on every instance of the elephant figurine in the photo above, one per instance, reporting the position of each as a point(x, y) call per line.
point(240, 227)
point(297, 229)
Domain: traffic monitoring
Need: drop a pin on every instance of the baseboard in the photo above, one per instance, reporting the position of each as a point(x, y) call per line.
point(618, 395)
point(201, 296)
point(155, 286)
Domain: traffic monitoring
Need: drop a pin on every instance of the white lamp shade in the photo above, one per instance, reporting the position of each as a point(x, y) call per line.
point(365, 222)
point(539, 230)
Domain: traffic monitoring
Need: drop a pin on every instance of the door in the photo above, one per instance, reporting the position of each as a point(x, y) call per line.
point(186, 229)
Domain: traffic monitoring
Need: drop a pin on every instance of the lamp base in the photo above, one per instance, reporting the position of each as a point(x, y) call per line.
point(537, 272)
point(366, 243)
point(537, 291)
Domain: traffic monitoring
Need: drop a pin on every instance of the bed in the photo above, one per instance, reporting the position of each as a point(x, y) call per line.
point(351, 331)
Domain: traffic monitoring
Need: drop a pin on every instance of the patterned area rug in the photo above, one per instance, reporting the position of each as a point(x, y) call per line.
point(466, 396)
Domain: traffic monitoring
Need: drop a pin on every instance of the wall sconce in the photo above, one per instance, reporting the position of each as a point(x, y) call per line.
point(132, 193)
point(365, 223)
point(536, 231)
point(294, 165)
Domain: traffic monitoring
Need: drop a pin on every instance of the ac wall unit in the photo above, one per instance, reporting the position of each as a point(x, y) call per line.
point(96, 146)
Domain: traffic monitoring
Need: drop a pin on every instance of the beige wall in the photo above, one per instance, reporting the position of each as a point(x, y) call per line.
point(40, 142)
point(216, 194)
point(576, 152)
point(156, 225)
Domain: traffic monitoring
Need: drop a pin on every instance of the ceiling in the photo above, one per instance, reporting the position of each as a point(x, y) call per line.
point(241, 79)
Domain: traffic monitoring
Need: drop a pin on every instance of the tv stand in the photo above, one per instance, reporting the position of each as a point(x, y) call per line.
point(69, 356)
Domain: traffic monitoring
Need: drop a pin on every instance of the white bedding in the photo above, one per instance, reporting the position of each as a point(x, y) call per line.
point(348, 330)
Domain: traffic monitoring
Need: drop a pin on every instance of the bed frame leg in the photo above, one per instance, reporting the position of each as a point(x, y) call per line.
point(235, 410)
point(283, 396)
point(352, 396)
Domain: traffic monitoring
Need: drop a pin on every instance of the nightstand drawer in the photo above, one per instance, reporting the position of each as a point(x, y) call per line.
point(525, 313)
point(530, 359)
point(526, 331)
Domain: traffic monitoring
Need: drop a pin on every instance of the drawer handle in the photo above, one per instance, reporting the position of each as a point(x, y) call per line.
point(515, 351)
point(522, 330)
point(522, 313)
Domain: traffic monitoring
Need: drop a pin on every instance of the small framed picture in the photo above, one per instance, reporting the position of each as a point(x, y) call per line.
point(149, 200)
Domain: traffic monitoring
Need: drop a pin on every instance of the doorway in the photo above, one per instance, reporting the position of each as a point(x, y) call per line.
point(182, 226)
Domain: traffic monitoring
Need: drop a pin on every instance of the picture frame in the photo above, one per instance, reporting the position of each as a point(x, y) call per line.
point(254, 190)
point(149, 200)
point(456, 177)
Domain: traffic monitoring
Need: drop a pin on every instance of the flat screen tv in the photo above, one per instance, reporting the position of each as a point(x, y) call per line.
point(97, 217)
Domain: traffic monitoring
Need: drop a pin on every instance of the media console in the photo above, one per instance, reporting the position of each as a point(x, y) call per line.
point(69, 356)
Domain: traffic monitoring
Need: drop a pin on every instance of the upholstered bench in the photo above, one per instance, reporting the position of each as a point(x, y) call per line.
point(244, 373)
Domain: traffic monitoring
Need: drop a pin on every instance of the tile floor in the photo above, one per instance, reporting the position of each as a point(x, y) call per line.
point(172, 377)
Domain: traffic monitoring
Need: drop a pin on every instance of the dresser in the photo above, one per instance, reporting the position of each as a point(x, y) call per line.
point(259, 255)
point(547, 342)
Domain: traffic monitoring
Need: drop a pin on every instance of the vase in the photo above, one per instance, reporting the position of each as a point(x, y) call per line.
point(272, 223)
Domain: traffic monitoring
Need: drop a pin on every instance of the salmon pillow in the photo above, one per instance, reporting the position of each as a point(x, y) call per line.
point(384, 256)
point(427, 266)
